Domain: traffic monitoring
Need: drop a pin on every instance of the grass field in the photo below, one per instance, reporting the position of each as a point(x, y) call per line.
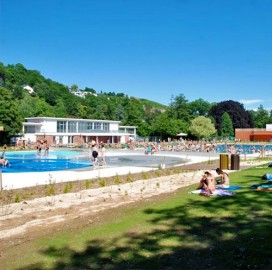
point(177, 231)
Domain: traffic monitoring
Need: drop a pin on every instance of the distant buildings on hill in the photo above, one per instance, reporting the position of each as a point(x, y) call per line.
point(81, 93)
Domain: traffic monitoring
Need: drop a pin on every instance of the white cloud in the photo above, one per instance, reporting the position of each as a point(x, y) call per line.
point(250, 101)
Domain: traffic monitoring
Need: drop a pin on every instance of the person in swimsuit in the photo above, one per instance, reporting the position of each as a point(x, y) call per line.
point(224, 178)
point(207, 182)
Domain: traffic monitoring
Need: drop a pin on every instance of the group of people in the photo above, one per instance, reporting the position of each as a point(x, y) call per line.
point(42, 145)
point(150, 149)
point(208, 182)
point(94, 153)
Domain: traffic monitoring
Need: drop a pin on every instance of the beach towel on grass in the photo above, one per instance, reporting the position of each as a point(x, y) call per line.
point(262, 187)
point(217, 192)
point(222, 192)
point(229, 188)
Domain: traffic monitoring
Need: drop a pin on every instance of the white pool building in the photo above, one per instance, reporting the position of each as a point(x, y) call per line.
point(70, 131)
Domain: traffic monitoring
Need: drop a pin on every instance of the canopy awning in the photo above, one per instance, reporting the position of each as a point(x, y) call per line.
point(182, 134)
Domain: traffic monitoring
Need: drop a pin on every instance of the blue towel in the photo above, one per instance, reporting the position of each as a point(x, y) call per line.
point(261, 186)
point(229, 188)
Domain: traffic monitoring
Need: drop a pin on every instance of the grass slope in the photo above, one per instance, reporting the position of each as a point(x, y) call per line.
point(181, 231)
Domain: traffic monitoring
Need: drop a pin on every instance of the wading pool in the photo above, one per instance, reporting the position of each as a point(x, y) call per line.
point(29, 161)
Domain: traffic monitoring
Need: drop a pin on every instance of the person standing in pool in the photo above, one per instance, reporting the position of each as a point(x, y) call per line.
point(103, 154)
point(46, 148)
point(4, 151)
point(94, 154)
point(4, 162)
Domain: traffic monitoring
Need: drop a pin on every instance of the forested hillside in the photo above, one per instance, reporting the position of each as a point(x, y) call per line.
point(27, 93)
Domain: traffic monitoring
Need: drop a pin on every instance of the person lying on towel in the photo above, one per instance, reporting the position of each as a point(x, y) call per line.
point(224, 178)
point(207, 183)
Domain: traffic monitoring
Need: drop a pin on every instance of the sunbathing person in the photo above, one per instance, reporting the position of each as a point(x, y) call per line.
point(207, 182)
point(224, 178)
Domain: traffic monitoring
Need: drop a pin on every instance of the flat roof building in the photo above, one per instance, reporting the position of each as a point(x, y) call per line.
point(254, 134)
point(65, 131)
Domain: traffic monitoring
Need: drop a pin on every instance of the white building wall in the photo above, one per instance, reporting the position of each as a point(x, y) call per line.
point(269, 127)
point(49, 125)
point(30, 137)
point(114, 126)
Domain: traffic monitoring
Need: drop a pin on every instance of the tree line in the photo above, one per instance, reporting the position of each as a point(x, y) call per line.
point(199, 118)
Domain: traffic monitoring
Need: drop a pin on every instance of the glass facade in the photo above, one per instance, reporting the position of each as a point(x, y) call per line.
point(61, 126)
point(85, 127)
point(97, 126)
point(106, 126)
point(82, 127)
point(72, 126)
point(30, 129)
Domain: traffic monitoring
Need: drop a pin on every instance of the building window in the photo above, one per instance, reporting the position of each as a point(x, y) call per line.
point(97, 125)
point(29, 129)
point(106, 127)
point(70, 139)
point(72, 126)
point(61, 126)
point(85, 127)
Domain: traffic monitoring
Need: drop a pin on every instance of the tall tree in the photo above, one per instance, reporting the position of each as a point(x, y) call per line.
point(199, 107)
point(226, 127)
point(239, 116)
point(179, 108)
point(261, 117)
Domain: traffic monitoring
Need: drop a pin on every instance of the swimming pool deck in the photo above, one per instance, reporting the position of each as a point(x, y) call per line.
point(21, 180)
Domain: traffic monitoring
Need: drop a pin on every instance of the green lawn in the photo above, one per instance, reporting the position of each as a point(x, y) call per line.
point(181, 231)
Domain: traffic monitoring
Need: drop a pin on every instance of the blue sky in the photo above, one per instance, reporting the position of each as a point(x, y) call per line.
point(211, 49)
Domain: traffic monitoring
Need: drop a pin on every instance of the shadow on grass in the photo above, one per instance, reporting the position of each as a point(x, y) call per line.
point(202, 232)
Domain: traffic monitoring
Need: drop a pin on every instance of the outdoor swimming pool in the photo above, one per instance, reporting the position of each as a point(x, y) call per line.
point(57, 160)
point(243, 148)
point(29, 161)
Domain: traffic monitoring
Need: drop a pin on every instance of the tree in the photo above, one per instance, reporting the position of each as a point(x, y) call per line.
point(60, 109)
point(44, 91)
point(261, 117)
point(9, 116)
point(179, 108)
point(165, 127)
point(239, 116)
point(226, 128)
point(27, 106)
point(74, 87)
point(43, 109)
point(119, 113)
point(202, 127)
point(199, 107)
point(82, 111)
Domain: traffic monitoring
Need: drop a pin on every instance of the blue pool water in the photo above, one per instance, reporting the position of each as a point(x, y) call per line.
point(28, 161)
point(243, 148)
